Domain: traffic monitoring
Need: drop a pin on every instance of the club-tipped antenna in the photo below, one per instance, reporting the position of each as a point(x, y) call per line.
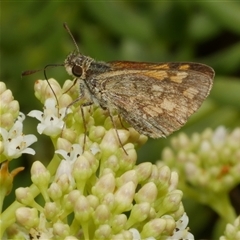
point(29, 72)
point(69, 32)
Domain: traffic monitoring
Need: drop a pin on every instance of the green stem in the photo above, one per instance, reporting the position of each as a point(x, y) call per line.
point(3, 193)
point(7, 218)
point(221, 204)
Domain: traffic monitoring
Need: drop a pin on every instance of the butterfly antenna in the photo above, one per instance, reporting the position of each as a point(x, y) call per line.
point(29, 72)
point(69, 32)
point(45, 75)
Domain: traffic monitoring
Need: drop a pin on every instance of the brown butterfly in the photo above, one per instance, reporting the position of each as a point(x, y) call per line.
point(154, 98)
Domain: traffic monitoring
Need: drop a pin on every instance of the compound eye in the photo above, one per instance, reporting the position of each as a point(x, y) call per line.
point(77, 71)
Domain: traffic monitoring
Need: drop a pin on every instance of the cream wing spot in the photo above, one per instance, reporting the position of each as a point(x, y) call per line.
point(158, 75)
point(152, 110)
point(184, 67)
point(157, 91)
point(190, 92)
point(157, 88)
point(178, 78)
point(168, 105)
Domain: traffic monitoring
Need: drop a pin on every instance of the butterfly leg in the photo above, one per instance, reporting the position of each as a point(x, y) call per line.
point(83, 94)
point(74, 82)
point(115, 127)
point(121, 122)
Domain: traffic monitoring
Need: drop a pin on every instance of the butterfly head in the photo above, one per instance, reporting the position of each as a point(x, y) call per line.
point(77, 64)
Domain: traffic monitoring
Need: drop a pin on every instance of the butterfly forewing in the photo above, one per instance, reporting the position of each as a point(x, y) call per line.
point(156, 99)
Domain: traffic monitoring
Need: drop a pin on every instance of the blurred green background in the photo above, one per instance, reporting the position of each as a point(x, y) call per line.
point(32, 36)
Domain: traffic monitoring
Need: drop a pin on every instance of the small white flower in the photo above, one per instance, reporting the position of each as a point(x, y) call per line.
point(95, 149)
point(15, 143)
point(41, 232)
point(135, 234)
point(76, 151)
point(51, 119)
point(66, 165)
point(21, 117)
point(181, 230)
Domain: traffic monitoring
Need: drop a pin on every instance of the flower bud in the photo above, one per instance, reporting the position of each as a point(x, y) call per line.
point(153, 228)
point(112, 163)
point(126, 235)
point(61, 230)
point(101, 214)
point(124, 197)
point(64, 144)
point(55, 191)
point(148, 193)
point(70, 238)
point(128, 161)
point(51, 210)
point(64, 101)
point(171, 202)
point(27, 217)
point(81, 172)
point(93, 201)
point(139, 213)
point(143, 171)
point(129, 176)
point(70, 199)
point(109, 200)
point(110, 142)
point(97, 133)
point(24, 196)
point(104, 185)
point(103, 232)
point(82, 209)
point(40, 176)
point(118, 222)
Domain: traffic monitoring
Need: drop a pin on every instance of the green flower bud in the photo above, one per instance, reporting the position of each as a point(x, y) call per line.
point(81, 171)
point(232, 231)
point(24, 196)
point(103, 232)
point(124, 196)
point(96, 133)
point(55, 191)
point(143, 171)
point(154, 228)
point(51, 210)
point(148, 193)
point(129, 176)
point(70, 199)
point(61, 230)
point(171, 202)
point(101, 214)
point(139, 213)
point(40, 177)
point(27, 217)
point(118, 222)
point(126, 235)
point(104, 185)
point(82, 209)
